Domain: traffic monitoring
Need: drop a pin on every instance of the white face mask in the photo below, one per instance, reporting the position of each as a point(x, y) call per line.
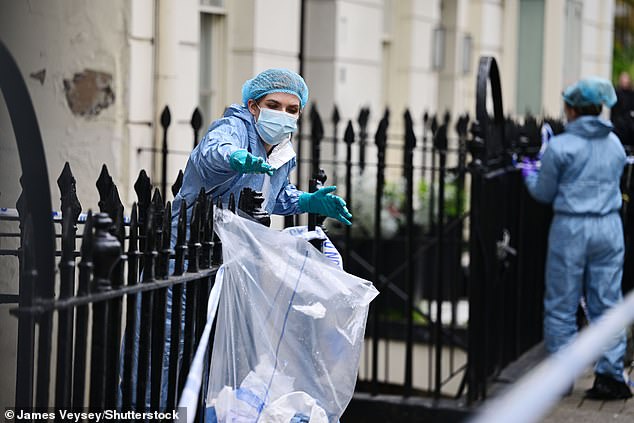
point(275, 126)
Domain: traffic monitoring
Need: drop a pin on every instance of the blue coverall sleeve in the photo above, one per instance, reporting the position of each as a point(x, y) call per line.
point(214, 151)
point(543, 185)
point(287, 201)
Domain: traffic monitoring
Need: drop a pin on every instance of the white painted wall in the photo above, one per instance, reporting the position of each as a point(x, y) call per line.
point(508, 60)
point(70, 37)
point(62, 37)
point(454, 83)
point(554, 43)
point(177, 71)
point(597, 35)
point(486, 23)
point(141, 93)
point(343, 55)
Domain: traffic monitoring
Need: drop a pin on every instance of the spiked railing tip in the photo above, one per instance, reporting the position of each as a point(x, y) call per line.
point(166, 117)
point(434, 124)
point(364, 115)
point(67, 187)
point(335, 115)
point(380, 137)
point(157, 198)
point(197, 120)
point(348, 136)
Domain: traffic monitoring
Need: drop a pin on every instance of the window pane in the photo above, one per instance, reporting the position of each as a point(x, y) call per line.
point(217, 3)
point(206, 22)
point(205, 72)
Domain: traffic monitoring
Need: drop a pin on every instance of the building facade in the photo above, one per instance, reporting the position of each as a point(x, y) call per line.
point(146, 54)
point(101, 72)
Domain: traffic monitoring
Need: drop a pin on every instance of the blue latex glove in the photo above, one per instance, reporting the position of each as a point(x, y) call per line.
point(528, 167)
point(547, 134)
point(326, 204)
point(244, 162)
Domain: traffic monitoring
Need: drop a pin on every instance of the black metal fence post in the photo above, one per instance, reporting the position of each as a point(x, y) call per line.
point(110, 203)
point(335, 143)
point(147, 300)
point(251, 203)
point(362, 120)
point(191, 293)
point(316, 135)
point(423, 172)
point(85, 273)
point(107, 250)
point(410, 144)
point(440, 143)
point(217, 255)
point(432, 184)
point(71, 210)
point(143, 189)
point(173, 376)
point(131, 313)
point(196, 123)
point(166, 119)
point(348, 139)
point(486, 224)
point(160, 303)
point(380, 139)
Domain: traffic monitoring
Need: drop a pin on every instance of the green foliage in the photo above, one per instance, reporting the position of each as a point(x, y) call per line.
point(622, 61)
point(394, 205)
point(623, 51)
point(399, 315)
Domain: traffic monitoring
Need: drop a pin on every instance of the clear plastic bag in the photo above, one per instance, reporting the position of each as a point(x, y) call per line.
point(290, 328)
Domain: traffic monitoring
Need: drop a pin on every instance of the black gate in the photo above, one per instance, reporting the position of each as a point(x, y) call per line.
point(508, 235)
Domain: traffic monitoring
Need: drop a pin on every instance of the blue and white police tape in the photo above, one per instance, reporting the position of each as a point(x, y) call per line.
point(189, 396)
point(10, 213)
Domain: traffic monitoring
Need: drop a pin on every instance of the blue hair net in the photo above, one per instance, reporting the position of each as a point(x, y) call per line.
point(275, 81)
point(591, 91)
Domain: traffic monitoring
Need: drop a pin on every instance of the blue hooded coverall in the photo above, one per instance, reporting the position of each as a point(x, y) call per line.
point(580, 175)
point(208, 167)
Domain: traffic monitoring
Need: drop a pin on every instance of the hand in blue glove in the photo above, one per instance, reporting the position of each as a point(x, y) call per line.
point(547, 134)
point(244, 162)
point(326, 204)
point(528, 167)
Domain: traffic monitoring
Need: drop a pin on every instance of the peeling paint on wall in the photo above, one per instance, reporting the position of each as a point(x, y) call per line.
point(89, 92)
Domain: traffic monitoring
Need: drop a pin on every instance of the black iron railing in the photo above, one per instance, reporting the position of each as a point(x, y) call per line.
point(120, 280)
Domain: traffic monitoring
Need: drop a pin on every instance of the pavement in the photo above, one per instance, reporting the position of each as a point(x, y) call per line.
point(573, 408)
point(577, 409)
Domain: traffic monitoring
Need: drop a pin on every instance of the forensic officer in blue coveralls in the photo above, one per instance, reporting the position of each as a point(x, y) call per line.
point(580, 174)
point(250, 146)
